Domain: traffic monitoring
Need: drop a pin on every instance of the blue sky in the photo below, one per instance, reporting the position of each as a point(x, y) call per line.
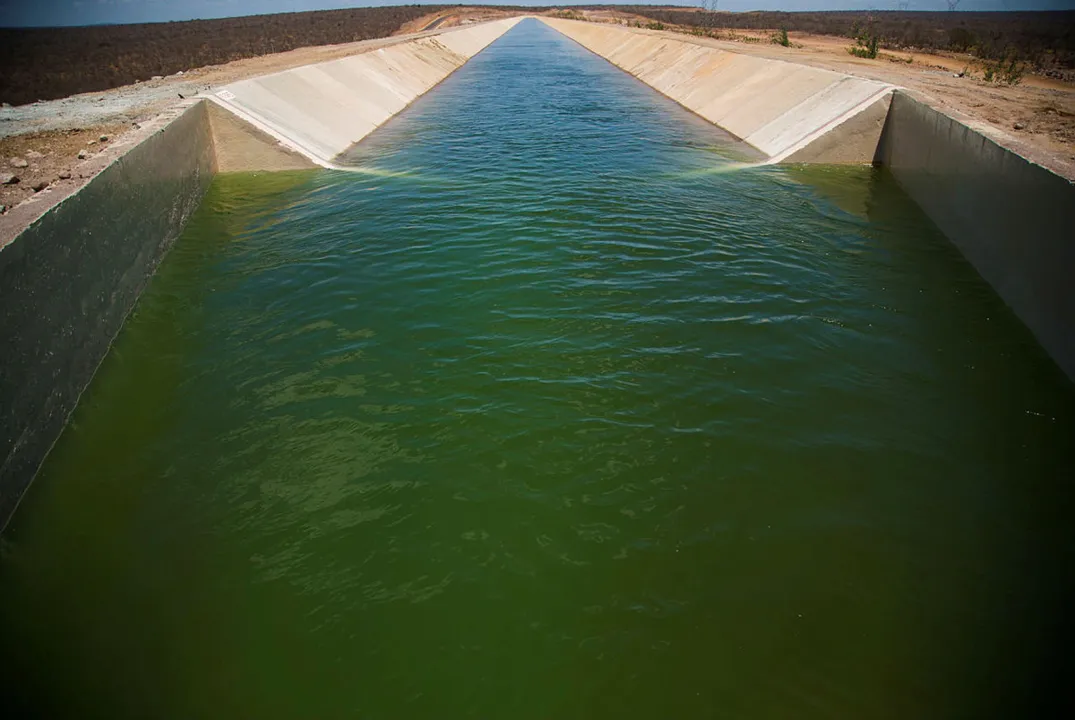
point(16, 13)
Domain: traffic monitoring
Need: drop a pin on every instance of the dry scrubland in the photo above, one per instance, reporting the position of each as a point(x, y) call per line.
point(48, 63)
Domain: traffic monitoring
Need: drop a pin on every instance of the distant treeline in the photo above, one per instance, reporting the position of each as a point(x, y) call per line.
point(47, 63)
point(1045, 39)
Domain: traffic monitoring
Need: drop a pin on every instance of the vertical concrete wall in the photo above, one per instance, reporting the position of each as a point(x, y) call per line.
point(69, 280)
point(780, 108)
point(322, 110)
point(1012, 219)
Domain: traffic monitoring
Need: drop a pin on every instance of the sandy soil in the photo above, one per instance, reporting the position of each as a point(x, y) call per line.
point(1035, 118)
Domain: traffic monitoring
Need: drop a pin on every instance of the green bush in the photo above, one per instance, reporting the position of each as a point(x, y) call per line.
point(1013, 72)
point(1008, 71)
point(865, 45)
point(781, 38)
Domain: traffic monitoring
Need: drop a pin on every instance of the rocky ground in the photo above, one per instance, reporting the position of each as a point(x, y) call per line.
point(33, 162)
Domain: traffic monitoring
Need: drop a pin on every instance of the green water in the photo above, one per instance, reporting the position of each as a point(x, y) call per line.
point(553, 413)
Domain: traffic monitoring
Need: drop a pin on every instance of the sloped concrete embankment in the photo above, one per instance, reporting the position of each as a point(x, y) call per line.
point(319, 111)
point(789, 112)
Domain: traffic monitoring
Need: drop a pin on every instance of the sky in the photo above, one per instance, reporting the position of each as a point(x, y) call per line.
point(29, 13)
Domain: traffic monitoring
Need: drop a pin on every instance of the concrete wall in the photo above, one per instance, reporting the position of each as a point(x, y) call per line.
point(780, 108)
point(69, 280)
point(1012, 219)
point(319, 111)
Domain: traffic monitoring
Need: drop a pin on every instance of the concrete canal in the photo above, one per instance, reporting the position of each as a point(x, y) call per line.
point(553, 410)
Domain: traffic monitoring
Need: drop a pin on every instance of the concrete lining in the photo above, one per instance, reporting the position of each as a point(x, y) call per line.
point(320, 111)
point(777, 107)
point(1012, 219)
point(69, 280)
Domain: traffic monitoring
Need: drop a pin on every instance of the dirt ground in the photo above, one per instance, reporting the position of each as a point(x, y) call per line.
point(1035, 118)
point(50, 156)
point(453, 17)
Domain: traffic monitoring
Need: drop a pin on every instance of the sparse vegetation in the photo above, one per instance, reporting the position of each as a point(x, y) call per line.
point(781, 38)
point(569, 15)
point(1008, 71)
point(1013, 73)
point(865, 44)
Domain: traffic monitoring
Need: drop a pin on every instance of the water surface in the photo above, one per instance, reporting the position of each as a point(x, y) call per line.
point(553, 413)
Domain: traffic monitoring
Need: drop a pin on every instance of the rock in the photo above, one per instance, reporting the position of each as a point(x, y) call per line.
point(8, 179)
point(7, 105)
point(65, 175)
point(157, 77)
point(179, 73)
point(103, 138)
point(82, 154)
point(40, 185)
point(34, 155)
point(18, 162)
point(92, 142)
point(1018, 125)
